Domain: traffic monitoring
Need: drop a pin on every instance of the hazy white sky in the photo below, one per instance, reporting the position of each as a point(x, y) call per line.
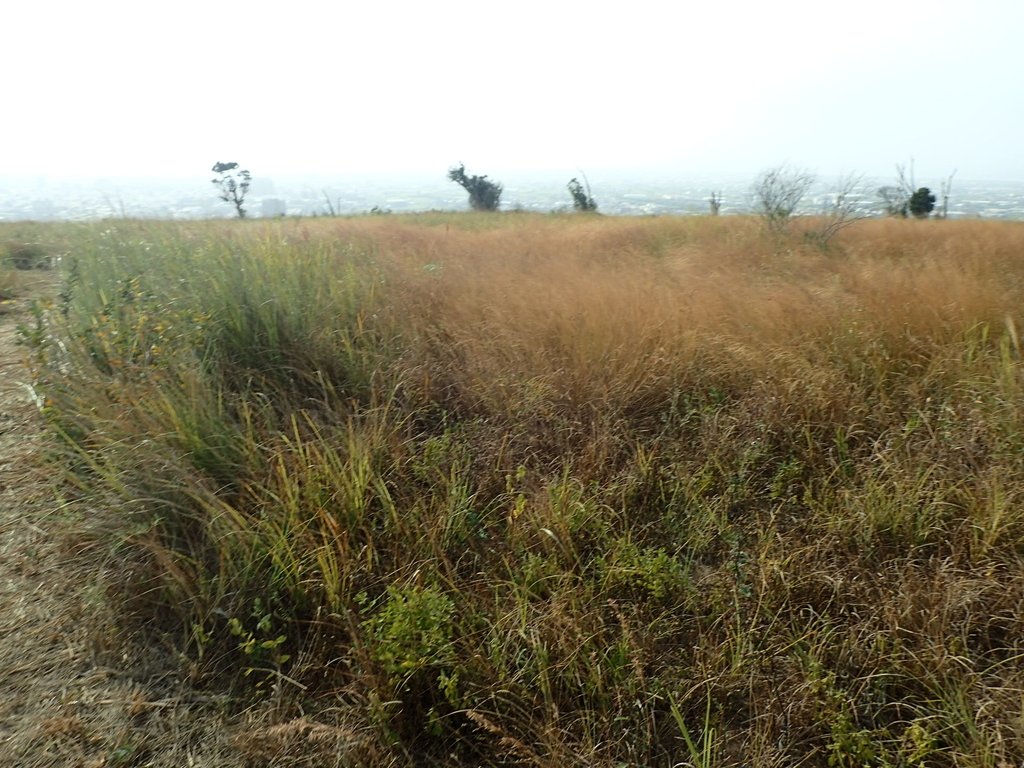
point(297, 86)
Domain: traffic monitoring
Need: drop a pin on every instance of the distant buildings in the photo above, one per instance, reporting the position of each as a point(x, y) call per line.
point(272, 206)
point(44, 199)
point(43, 210)
point(262, 186)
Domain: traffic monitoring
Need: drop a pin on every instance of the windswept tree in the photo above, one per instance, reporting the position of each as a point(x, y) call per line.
point(484, 194)
point(777, 193)
point(582, 200)
point(232, 185)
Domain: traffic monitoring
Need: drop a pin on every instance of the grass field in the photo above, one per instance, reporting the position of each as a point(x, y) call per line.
point(562, 490)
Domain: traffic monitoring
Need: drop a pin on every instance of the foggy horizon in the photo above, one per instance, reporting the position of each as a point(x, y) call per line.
point(924, 177)
point(118, 90)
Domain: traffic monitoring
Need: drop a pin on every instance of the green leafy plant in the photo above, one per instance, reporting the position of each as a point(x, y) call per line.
point(259, 639)
point(652, 570)
point(918, 744)
point(411, 632)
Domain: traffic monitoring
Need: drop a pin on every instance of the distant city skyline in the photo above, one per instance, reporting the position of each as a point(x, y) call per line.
point(123, 89)
point(626, 194)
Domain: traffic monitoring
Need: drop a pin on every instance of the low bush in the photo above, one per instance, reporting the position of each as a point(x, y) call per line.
point(18, 255)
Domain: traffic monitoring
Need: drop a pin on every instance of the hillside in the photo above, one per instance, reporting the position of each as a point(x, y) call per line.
point(454, 489)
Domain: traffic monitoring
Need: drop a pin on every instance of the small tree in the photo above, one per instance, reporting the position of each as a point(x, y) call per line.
point(778, 192)
point(922, 203)
point(484, 195)
point(232, 185)
point(896, 198)
point(581, 198)
point(894, 201)
point(842, 210)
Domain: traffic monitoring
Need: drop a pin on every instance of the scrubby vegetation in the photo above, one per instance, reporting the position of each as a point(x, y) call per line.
point(21, 255)
point(563, 490)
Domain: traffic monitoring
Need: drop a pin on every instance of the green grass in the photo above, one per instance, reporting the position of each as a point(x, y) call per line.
point(9, 286)
point(565, 491)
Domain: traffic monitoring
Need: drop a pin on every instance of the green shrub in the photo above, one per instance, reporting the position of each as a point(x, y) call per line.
point(411, 632)
point(27, 256)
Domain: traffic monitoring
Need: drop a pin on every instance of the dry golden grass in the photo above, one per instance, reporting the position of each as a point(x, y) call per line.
point(568, 490)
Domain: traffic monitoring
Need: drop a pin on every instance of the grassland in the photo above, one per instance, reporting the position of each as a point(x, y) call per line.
point(556, 490)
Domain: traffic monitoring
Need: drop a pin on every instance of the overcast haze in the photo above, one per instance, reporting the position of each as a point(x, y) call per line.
point(145, 89)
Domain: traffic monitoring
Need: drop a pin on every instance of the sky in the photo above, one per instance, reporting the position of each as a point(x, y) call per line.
point(165, 89)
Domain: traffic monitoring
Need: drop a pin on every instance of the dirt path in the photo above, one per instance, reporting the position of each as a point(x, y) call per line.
point(73, 691)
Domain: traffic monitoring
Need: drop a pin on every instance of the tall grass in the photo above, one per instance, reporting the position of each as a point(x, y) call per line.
point(560, 491)
point(9, 286)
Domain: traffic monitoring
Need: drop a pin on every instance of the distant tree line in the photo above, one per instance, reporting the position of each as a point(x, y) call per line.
point(777, 193)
